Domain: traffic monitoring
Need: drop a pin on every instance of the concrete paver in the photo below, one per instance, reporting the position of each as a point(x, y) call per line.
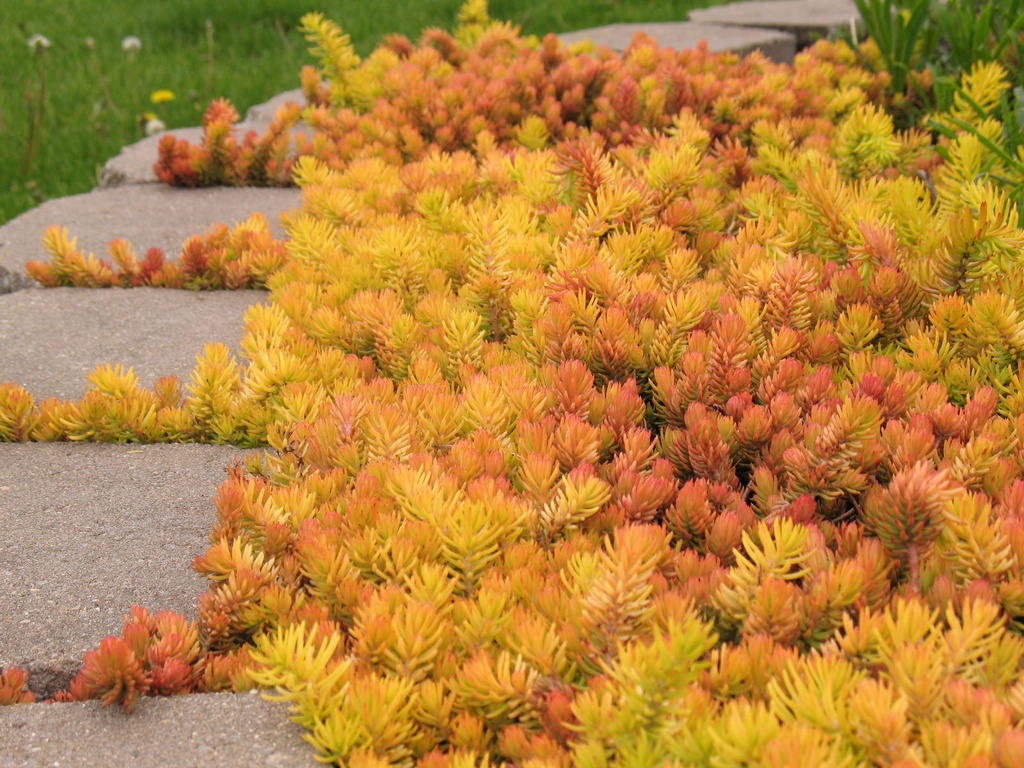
point(775, 44)
point(260, 116)
point(217, 730)
point(50, 340)
point(808, 20)
point(89, 531)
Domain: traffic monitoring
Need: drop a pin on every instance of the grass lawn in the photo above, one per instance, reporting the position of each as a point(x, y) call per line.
point(65, 111)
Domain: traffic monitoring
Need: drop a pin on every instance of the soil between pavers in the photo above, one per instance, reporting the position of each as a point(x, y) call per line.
point(89, 530)
point(217, 730)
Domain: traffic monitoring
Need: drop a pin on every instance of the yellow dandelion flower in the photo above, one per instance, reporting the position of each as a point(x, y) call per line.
point(162, 96)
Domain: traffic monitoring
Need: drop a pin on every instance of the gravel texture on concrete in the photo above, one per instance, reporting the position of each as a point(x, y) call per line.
point(91, 530)
point(776, 45)
point(50, 340)
point(217, 730)
point(147, 215)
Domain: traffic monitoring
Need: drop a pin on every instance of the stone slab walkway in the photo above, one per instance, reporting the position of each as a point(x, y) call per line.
point(776, 44)
point(806, 20)
point(219, 730)
point(50, 340)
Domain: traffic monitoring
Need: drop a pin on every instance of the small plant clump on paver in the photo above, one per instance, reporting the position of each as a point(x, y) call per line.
point(691, 437)
point(14, 687)
point(223, 258)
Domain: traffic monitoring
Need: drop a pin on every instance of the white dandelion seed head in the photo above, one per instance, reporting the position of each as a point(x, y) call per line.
point(154, 125)
point(38, 43)
point(131, 43)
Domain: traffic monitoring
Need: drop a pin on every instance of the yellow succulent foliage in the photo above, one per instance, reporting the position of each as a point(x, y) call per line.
point(703, 449)
point(333, 47)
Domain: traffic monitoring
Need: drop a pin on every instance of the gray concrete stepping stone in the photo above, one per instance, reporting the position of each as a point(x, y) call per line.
point(216, 730)
point(683, 35)
point(89, 531)
point(134, 164)
point(148, 216)
point(50, 340)
point(260, 116)
point(809, 20)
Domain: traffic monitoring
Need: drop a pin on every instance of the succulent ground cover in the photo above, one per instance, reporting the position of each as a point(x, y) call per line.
point(80, 80)
point(676, 421)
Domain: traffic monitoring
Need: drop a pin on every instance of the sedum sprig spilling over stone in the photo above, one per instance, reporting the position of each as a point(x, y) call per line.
point(702, 448)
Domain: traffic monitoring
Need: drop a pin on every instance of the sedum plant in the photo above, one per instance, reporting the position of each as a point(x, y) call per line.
point(14, 687)
point(698, 448)
point(222, 258)
point(985, 129)
point(484, 83)
point(224, 160)
point(157, 655)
